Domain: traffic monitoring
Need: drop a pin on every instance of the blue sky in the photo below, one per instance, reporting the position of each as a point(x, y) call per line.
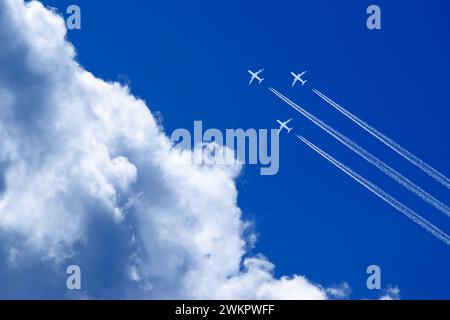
point(189, 61)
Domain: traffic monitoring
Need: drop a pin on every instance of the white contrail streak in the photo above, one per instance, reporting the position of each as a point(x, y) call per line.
point(438, 176)
point(428, 226)
point(385, 168)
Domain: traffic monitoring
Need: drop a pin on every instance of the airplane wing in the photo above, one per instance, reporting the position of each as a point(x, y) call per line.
point(288, 121)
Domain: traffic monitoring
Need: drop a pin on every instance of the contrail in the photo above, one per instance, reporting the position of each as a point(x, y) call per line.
point(385, 168)
point(428, 226)
point(438, 176)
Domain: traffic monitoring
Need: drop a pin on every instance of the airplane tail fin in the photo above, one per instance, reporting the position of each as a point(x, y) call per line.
point(304, 82)
point(260, 80)
point(289, 130)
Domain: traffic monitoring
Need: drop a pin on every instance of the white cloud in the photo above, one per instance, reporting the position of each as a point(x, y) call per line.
point(341, 291)
point(81, 159)
point(391, 293)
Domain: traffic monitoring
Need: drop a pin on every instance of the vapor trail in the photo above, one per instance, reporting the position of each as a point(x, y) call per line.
point(385, 168)
point(438, 176)
point(428, 226)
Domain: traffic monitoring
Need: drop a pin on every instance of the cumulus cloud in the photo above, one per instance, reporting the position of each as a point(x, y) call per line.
point(88, 177)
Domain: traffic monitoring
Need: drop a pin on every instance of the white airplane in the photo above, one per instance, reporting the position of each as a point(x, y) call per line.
point(298, 77)
point(283, 125)
point(255, 75)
